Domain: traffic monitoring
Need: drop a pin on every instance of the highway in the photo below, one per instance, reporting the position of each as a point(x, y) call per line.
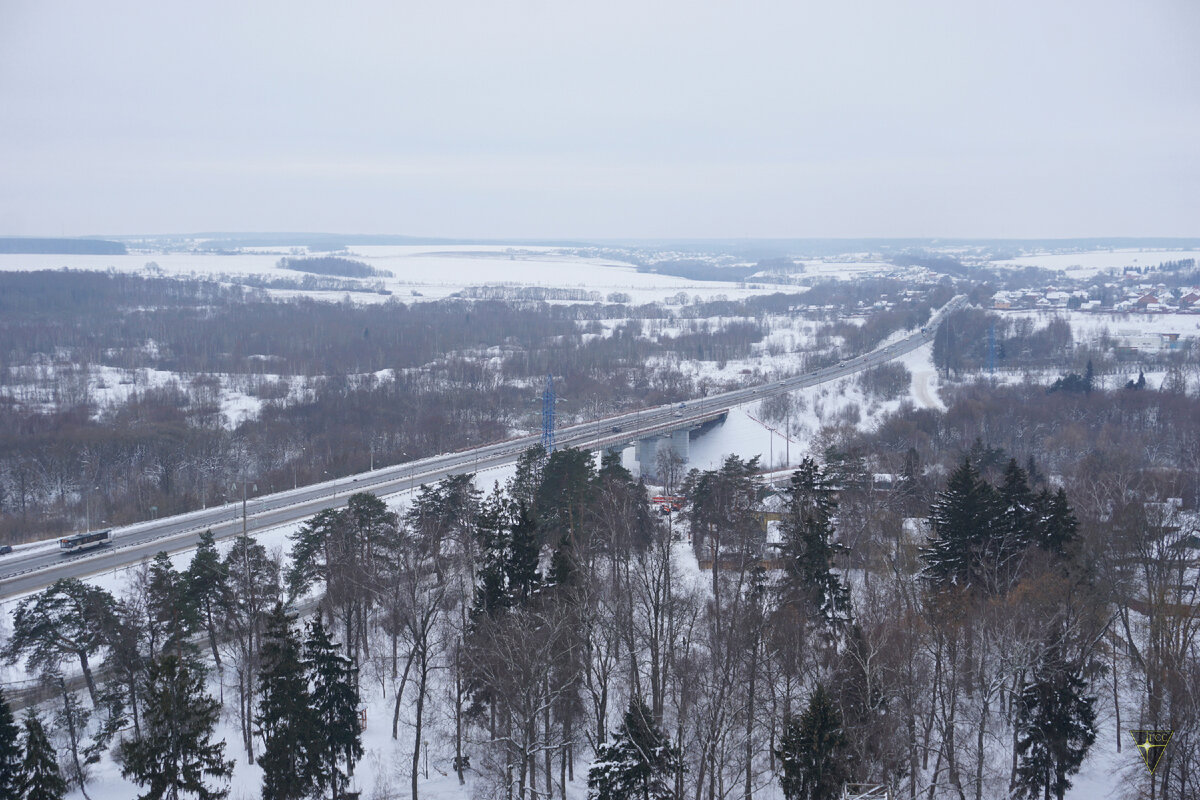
point(21, 573)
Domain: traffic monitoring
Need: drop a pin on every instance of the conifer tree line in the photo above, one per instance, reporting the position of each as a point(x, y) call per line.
point(559, 625)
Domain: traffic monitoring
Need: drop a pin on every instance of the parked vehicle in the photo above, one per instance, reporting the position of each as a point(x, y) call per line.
point(668, 503)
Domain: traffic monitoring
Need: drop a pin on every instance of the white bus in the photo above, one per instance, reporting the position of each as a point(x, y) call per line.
point(84, 541)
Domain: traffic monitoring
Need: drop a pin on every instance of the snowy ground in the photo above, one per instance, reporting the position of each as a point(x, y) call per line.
point(1087, 264)
point(418, 273)
point(746, 435)
point(1087, 327)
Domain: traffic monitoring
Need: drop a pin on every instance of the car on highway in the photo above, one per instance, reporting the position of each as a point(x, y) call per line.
point(5, 549)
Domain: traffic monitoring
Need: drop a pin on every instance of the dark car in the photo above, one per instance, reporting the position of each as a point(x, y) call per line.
point(5, 549)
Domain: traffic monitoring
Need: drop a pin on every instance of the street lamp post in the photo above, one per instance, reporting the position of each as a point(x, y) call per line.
point(234, 490)
point(87, 509)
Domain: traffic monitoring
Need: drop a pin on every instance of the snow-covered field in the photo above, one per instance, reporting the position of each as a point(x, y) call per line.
point(1087, 326)
point(418, 273)
point(1086, 264)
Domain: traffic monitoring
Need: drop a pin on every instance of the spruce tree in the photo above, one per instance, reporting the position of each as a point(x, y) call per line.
point(1056, 725)
point(813, 751)
point(40, 777)
point(334, 686)
point(176, 755)
point(808, 548)
point(10, 751)
point(1015, 528)
point(638, 763)
point(1058, 525)
point(285, 718)
point(521, 569)
point(964, 521)
point(563, 493)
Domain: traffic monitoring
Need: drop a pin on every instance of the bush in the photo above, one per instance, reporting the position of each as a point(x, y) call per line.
point(885, 382)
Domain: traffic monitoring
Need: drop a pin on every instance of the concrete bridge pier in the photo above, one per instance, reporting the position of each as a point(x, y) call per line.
point(646, 453)
point(680, 443)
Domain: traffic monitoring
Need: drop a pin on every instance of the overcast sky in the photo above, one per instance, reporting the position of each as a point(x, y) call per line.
point(511, 118)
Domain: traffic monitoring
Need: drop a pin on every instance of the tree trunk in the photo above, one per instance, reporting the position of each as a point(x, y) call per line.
point(87, 676)
point(400, 694)
point(423, 672)
point(749, 794)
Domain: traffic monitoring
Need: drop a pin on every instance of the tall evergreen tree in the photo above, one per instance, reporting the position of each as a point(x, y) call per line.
point(813, 751)
point(40, 776)
point(1058, 526)
point(562, 495)
point(1056, 722)
point(208, 588)
point(522, 575)
point(522, 488)
point(176, 755)
point(10, 751)
point(333, 680)
point(1015, 527)
point(69, 619)
point(286, 719)
point(173, 615)
point(964, 521)
point(808, 548)
point(637, 763)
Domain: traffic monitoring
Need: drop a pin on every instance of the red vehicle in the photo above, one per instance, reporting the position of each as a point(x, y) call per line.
point(668, 503)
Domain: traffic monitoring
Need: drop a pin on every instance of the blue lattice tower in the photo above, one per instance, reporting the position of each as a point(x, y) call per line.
point(548, 415)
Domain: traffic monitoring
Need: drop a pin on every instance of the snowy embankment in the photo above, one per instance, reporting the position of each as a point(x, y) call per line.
point(747, 434)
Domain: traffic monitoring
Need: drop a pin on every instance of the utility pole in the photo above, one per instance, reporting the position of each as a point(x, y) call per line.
point(787, 430)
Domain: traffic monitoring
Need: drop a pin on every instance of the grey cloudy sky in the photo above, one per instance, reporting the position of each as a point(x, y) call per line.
point(551, 118)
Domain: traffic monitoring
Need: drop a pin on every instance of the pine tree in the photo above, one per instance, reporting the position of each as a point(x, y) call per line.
point(333, 679)
point(10, 751)
point(70, 618)
point(40, 777)
point(813, 751)
point(1057, 725)
point(207, 582)
point(172, 612)
point(808, 549)
point(637, 763)
point(285, 716)
point(176, 754)
point(522, 488)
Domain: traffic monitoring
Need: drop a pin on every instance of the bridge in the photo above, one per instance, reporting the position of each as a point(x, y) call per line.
point(30, 569)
